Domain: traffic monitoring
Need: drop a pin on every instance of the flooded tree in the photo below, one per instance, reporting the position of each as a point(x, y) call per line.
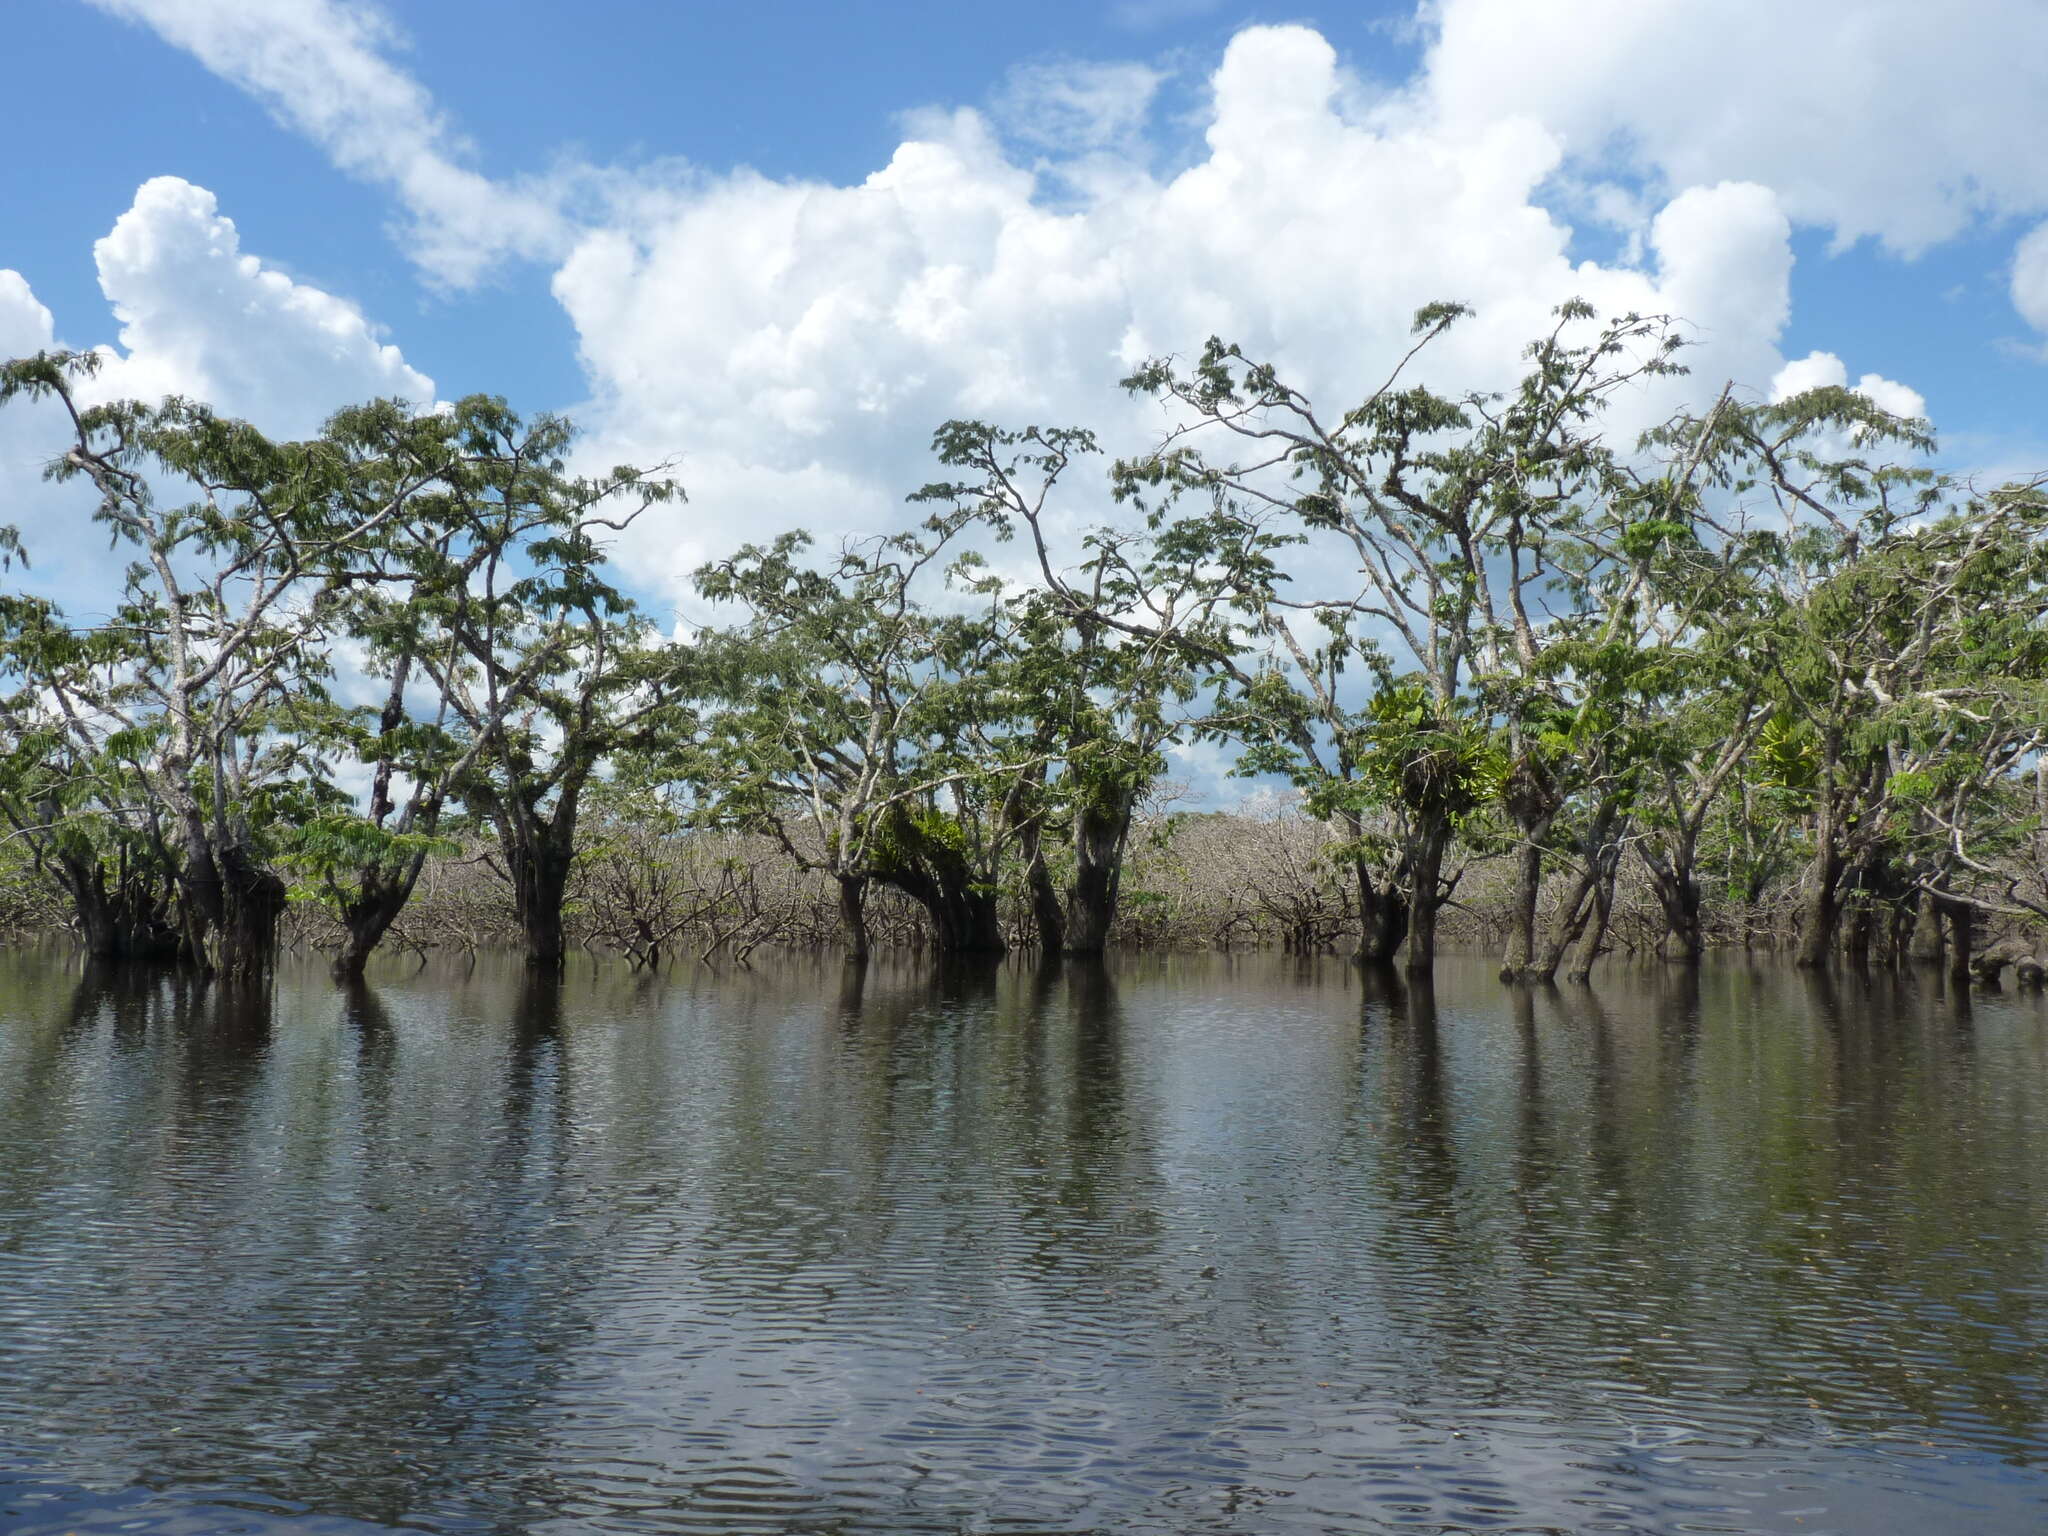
point(1760, 673)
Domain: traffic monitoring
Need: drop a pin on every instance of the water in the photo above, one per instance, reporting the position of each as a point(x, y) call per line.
point(1195, 1245)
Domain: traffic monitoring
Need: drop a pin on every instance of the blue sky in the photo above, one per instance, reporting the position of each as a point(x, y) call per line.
point(777, 243)
point(789, 89)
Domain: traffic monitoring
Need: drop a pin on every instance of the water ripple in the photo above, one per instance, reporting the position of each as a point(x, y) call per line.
point(1196, 1245)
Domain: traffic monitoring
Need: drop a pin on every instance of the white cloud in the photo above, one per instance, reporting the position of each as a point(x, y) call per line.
point(1878, 118)
point(1816, 370)
point(797, 342)
point(1863, 118)
point(25, 325)
point(29, 432)
point(1821, 370)
point(198, 317)
point(320, 66)
point(2030, 279)
point(1890, 395)
point(1874, 118)
point(793, 343)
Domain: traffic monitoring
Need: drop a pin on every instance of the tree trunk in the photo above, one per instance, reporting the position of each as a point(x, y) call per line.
point(1573, 919)
point(1599, 919)
point(381, 894)
point(1425, 891)
point(964, 921)
point(1519, 962)
point(1962, 934)
point(1868, 887)
point(232, 907)
point(1822, 911)
point(1591, 894)
point(540, 886)
point(361, 935)
point(1382, 917)
point(123, 919)
point(1047, 921)
point(1532, 803)
point(853, 917)
point(1101, 829)
point(245, 942)
point(931, 870)
point(1676, 881)
point(1925, 948)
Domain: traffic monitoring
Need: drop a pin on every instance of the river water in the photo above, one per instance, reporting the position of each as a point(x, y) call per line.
point(1186, 1245)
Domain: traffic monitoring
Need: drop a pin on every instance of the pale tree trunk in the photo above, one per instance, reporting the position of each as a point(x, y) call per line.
point(1962, 932)
point(1047, 921)
point(1822, 911)
point(1532, 805)
point(1519, 960)
point(1382, 917)
point(1599, 919)
point(1101, 829)
point(1925, 948)
point(1675, 879)
point(1046, 917)
point(1573, 917)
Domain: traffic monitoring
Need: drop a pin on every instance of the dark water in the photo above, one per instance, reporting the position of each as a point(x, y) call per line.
point(1189, 1246)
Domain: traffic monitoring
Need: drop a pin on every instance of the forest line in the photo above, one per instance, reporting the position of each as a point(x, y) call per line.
point(1763, 669)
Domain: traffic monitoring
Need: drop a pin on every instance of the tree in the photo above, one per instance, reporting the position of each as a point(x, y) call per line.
point(512, 666)
point(495, 592)
point(861, 731)
point(1900, 652)
point(1449, 511)
point(221, 644)
point(71, 792)
point(1106, 655)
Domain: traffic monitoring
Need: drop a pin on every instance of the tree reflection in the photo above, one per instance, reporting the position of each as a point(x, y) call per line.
point(853, 986)
point(963, 979)
point(120, 994)
point(1098, 1059)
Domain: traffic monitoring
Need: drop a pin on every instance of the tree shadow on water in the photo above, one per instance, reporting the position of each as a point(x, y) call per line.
point(963, 980)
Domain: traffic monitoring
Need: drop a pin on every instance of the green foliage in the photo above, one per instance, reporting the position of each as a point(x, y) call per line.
point(1462, 624)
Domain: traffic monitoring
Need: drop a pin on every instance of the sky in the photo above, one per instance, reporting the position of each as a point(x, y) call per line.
point(775, 245)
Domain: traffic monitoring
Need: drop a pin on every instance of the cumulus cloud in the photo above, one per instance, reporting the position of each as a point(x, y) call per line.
point(798, 341)
point(27, 431)
point(792, 343)
point(198, 317)
point(1870, 118)
point(1822, 370)
point(25, 325)
point(1819, 370)
point(1863, 119)
point(321, 67)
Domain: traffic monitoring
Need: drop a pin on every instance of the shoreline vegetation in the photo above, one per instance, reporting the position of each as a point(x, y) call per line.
point(1259, 878)
point(1757, 676)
